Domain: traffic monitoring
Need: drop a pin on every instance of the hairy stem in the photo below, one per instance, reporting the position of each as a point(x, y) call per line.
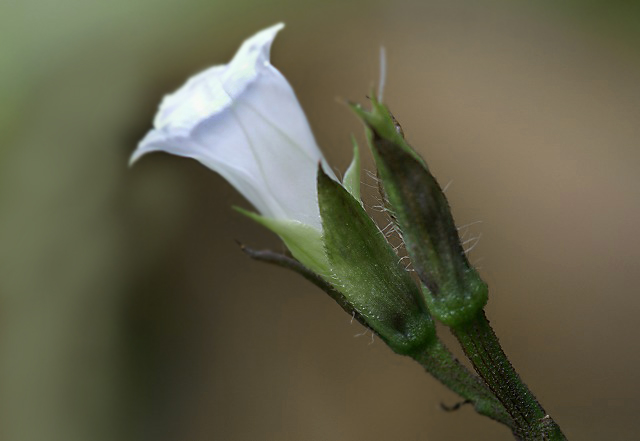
point(434, 357)
point(439, 362)
point(480, 344)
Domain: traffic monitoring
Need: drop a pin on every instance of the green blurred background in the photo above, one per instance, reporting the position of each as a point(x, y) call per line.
point(127, 311)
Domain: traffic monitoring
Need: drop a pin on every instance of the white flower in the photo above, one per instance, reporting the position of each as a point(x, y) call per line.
point(243, 121)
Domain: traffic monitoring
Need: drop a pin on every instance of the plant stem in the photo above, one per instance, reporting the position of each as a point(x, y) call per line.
point(480, 344)
point(439, 362)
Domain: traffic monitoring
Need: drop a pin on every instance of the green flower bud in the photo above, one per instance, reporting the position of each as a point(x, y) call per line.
point(452, 287)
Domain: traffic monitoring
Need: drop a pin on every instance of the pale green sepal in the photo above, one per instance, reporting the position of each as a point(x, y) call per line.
point(351, 179)
point(304, 241)
point(386, 126)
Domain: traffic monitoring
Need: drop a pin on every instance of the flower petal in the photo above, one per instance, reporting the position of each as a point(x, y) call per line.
point(244, 121)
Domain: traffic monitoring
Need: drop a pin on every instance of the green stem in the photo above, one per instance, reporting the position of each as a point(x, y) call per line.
point(481, 345)
point(439, 362)
point(435, 357)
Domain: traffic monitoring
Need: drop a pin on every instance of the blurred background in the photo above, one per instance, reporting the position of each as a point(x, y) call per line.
point(127, 312)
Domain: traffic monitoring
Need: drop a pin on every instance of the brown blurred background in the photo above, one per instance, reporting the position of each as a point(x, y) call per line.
point(127, 311)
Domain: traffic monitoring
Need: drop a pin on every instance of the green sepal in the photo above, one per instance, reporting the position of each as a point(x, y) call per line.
point(304, 241)
point(386, 125)
point(454, 291)
point(366, 270)
point(351, 180)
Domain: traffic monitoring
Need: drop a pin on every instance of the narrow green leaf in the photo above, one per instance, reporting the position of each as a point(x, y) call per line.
point(351, 179)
